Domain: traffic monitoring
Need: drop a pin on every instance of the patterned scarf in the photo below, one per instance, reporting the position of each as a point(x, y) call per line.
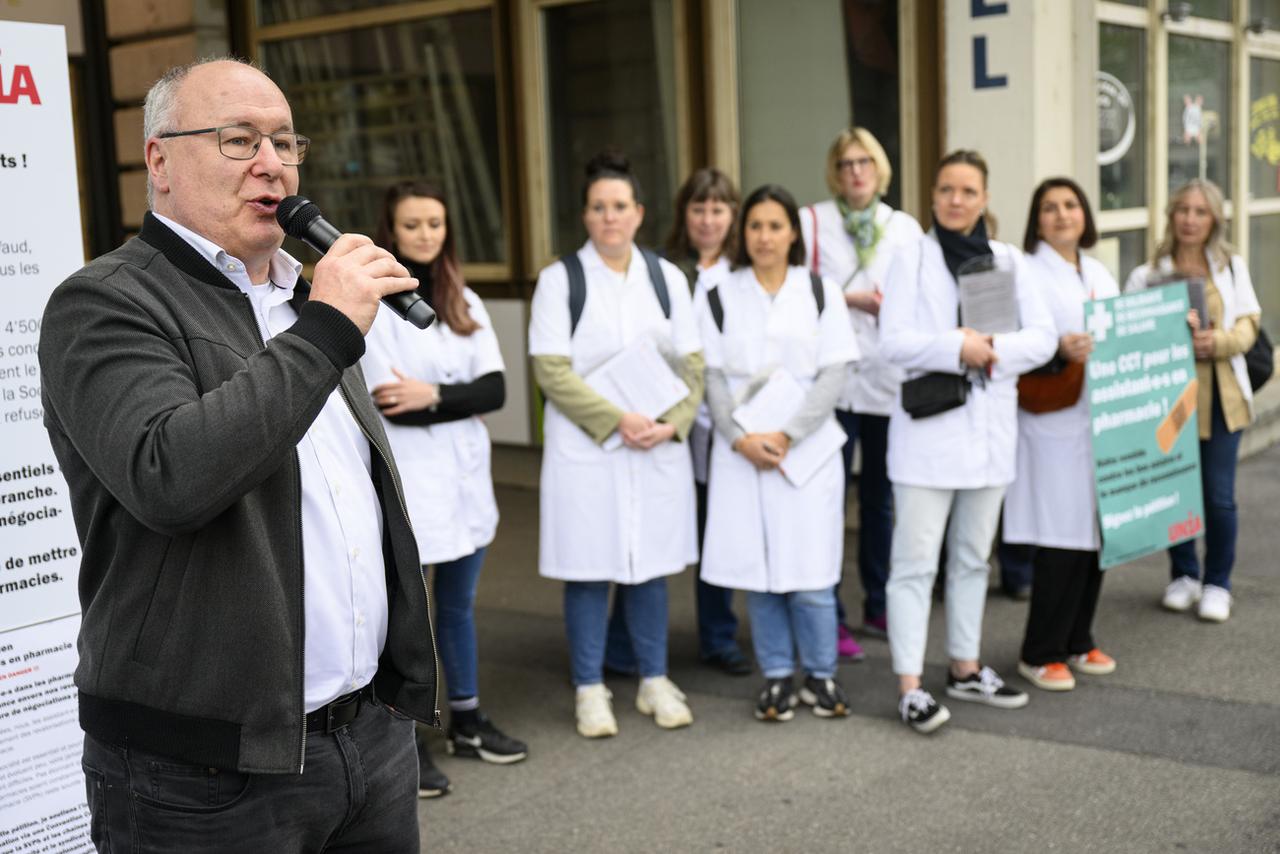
point(862, 227)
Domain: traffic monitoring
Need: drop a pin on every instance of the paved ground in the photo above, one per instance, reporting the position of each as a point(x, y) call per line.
point(1179, 750)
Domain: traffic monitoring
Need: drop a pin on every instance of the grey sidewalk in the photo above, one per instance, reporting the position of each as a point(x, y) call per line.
point(1179, 750)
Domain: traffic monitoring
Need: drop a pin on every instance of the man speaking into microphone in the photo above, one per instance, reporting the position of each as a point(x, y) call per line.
point(255, 635)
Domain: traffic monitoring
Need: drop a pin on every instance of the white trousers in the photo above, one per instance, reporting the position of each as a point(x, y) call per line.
point(920, 522)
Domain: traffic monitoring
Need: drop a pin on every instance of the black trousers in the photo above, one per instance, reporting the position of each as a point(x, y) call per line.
point(1064, 596)
point(358, 793)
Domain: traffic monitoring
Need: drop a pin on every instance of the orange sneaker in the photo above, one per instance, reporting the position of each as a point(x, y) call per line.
point(1095, 662)
point(1054, 676)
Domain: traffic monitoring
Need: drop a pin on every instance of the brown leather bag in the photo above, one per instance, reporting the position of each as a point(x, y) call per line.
point(1043, 391)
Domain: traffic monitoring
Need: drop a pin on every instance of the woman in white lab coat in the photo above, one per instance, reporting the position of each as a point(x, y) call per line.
point(702, 242)
point(1195, 245)
point(431, 387)
point(1051, 503)
point(956, 462)
point(851, 240)
point(611, 514)
point(780, 542)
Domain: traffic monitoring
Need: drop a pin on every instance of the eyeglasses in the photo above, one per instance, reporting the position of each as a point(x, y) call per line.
point(855, 165)
point(241, 143)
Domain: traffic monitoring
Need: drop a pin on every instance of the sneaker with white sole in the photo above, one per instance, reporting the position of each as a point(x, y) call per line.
point(1215, 604)
point(1095, 662)
point(659, 697)
point(777, 701)
point(472, 734)
point(1183, 592)
point(921, 712)
point(987, 688)
point(826, 696)
point(595, 712)
point(1054, 676)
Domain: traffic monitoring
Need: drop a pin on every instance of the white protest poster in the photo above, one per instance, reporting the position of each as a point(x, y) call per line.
point(42, 792)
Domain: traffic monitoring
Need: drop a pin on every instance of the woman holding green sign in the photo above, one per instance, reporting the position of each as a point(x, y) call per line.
point(1194, 246)
point(1051, 504)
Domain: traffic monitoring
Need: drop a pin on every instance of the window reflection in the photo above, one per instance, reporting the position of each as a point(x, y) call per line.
point(1122, 126)
point(1199, 110)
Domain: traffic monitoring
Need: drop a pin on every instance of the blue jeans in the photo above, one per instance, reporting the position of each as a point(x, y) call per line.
point(875, 507)
point(781, 623)
point(717, 624)
point(357, 792)
point(586, 617)
point(1218, 456)
point(455, 590)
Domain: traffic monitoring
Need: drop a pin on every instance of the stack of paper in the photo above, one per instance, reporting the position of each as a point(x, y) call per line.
point(989, 301)
point(637, 379)
point(769, 410)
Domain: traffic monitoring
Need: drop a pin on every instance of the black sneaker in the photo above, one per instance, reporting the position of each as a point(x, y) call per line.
point(826, 696)
point(472, 734)
point(730, 661)
point(985, 687)
point(921, 712)
point(431, 782)
point(777, 701)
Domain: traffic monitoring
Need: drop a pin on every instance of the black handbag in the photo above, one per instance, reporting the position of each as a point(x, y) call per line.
point(934, 393)
point(1260, 361)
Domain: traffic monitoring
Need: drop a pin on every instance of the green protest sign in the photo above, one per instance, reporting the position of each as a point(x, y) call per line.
point(1141, 383)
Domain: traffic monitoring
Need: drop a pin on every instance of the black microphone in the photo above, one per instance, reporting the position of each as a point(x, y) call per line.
point(301, 219)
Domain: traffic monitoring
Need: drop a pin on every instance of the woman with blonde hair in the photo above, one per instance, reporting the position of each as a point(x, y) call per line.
point(850, 239)
point(1194, 245)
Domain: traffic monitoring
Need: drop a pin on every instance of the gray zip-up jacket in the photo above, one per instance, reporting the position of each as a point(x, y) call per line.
point(176, 429)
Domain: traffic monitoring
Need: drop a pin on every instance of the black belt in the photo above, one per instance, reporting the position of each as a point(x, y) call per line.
point(337, 714)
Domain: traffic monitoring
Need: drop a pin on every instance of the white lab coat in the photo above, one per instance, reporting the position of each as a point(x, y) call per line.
point(1238, 299)
point(873, 382)
point(445, 468)
point(764, 534)
point(1052, 500)
point(624, 515)
point(972, 446)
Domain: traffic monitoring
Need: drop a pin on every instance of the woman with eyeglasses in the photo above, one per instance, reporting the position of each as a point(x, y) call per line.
point(952, 436)
point(616, 496)
point(1195, 244)
point(432, 387)
point(1051, 504)
point(851, 239)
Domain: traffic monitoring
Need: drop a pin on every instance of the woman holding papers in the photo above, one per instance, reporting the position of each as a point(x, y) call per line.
point(851, 240)
point(953, 431)
point(1051, 503)
point(702, 241)
point(1195, 245)
point(777, 349)
point(432, 387)
point(617, 502)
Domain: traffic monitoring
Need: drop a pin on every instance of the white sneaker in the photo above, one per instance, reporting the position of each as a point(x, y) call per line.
point(595, 712)
point(1215, 604)
point(660, 697)
point(1181, 594)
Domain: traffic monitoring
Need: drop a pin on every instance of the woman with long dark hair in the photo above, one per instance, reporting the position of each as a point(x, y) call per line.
point(431, 387)
point(771, 531)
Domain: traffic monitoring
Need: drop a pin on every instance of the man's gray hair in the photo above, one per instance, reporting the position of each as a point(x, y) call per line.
point(159, 110)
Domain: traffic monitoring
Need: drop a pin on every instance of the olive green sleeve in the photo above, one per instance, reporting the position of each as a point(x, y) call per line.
point(682, 414)
point(574, 398)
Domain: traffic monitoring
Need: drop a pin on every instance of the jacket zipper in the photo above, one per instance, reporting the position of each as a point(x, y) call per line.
point(302, 583)
point(404, 511)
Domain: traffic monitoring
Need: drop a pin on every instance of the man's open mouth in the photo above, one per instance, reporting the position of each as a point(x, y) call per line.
point(265, 204)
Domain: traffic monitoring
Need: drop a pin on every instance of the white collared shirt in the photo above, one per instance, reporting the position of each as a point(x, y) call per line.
point(345, 588)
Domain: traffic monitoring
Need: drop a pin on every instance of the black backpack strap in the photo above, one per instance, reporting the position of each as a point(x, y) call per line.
point(717, 308)
point(819, 296)
point(659, 281)
point(577, 288)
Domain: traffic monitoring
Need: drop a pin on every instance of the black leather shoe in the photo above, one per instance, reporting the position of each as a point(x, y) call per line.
point(731, 661)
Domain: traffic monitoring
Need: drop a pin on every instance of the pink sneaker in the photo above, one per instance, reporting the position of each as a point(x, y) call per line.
point(846, 647)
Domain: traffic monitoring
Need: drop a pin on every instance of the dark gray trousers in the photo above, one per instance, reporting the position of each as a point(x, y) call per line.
point(357, 793)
